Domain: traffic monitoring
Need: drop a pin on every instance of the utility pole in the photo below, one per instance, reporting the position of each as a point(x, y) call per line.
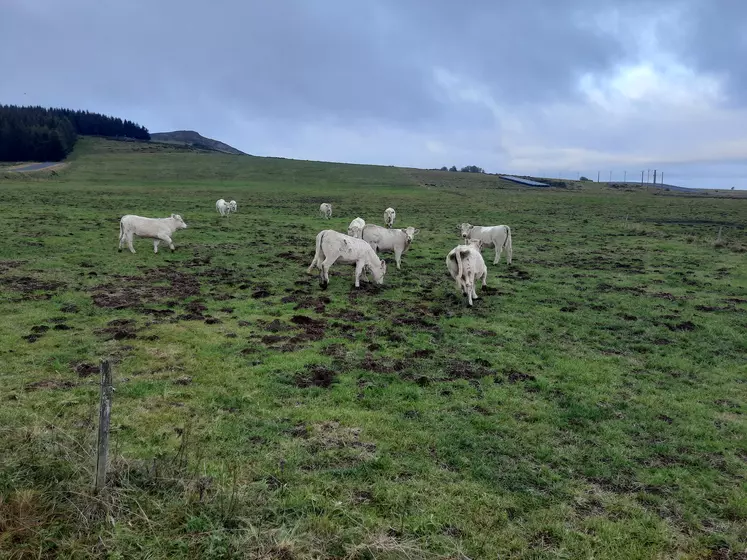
point(662, 177)
point(610, 176)
point(654, 176)
point(597, 176)
point(625, 176)
point(648, 175)
point(642, 172)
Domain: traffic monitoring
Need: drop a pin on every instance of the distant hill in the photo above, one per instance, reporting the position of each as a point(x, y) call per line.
point(192, 138)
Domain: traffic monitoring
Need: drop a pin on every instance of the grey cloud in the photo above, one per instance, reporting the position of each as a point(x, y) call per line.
point(338, 78)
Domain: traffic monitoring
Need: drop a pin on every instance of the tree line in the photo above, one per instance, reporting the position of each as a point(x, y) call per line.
point(41, 134)
point(465, 169)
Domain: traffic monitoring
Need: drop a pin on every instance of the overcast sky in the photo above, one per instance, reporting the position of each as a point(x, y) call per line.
point(543, 87)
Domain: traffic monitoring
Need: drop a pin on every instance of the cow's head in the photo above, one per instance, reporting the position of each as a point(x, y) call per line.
point(179, 222)
point(379, 272)
point(465, 229)
point(233, 206)
point(411, 232)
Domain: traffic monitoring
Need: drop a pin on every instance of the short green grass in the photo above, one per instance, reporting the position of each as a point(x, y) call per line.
point(590, 405)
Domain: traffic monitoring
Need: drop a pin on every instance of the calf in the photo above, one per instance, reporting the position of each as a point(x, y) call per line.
point(466, 266)
point(158, 229)
point(355, 229)
point(491, 236)
point(223, 207)
point(325, 210)
point(389, 215)
point(395, 241)
point(333, 246)
point(233, 206)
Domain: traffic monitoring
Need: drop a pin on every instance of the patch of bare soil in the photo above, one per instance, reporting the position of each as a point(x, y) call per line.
point(118, 329)
point(462, 369)
point(29, 286)
point(382, 365)
point(155, 286)
point(6, 266)
point(49, 384)
point(84, 369)
point(317, 304)
point(315, 375)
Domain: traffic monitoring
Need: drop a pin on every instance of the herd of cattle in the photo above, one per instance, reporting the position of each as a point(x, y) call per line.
point(359, 247)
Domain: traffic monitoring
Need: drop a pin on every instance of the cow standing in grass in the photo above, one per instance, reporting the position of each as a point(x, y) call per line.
point(223, 207)
point(355, 229)
point(466, 266)
point(325, 210)
point(333, 246)
point(395, 241)
point(158, 229)
point(389, 215)
point(490, 236)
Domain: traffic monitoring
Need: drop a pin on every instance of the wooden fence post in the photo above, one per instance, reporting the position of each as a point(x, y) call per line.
point(105, 411)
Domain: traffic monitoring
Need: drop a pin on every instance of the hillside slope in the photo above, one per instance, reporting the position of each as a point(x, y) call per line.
point(192, 138)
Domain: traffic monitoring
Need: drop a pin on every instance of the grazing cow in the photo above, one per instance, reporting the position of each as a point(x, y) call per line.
point(233, 206)
point(325, 210)
point(395, 241)
point(466, 266)
point(333, 246)
point(355, 229)
point(389, 215)
point(158, 229)
point(491, 236)
point(223, 207)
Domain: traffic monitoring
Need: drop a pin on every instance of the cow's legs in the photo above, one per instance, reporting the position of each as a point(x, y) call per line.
point(324, 276)
point(129, 243)
point(359, 267)
point(397, 257)
point(155, 245)
point(166, 239)
point(498, 249)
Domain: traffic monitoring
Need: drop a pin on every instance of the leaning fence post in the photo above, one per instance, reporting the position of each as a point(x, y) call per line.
point(105, 411)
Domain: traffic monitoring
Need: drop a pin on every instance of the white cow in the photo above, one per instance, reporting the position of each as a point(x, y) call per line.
point(233, 206)
point(158, 229)
point(466, 266)
point(325, 210)
point(333, 246)
point(389, 215)
point(491, 236)
point(395, 241)
point(355, 229)
point(223, 207)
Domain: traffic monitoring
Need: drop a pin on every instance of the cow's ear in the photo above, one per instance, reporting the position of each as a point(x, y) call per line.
point(173, 215)
point(417, 230)
point(383, 263)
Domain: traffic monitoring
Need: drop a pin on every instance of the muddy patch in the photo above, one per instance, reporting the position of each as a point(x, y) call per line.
point(317, 304)
point(683, 326)
point(30, 287)
point(84, 369)
point(315, 375)
point(462, 369)
point(382, 365)
point(7, 266)
point(155, 286)
point(50, 384)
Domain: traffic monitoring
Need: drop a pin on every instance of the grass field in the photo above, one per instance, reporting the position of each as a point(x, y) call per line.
point(591, 405)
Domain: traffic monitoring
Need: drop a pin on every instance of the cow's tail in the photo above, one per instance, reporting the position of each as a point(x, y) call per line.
point(121, 233)
point(318, 256)
point(460, 265)
point(507, 245)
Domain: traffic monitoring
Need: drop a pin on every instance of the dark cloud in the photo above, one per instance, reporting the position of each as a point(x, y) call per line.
point(365, 81)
